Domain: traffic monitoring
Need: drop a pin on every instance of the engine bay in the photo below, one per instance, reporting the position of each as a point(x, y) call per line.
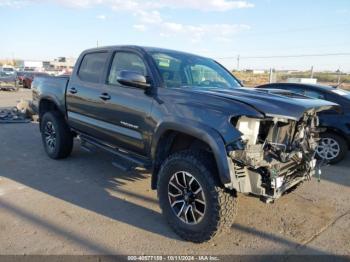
point(274, 154)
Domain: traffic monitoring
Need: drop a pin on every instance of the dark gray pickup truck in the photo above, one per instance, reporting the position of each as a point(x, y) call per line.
point(186, 119)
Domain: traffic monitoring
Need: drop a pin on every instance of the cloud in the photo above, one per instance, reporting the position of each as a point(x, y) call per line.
point(101, 17)
point(141, 28)
point(132, 5)
point(148, 15)
point(207, 5)
point(151, 17)
point(196, 33)
point(153, 21)
point(14, 4)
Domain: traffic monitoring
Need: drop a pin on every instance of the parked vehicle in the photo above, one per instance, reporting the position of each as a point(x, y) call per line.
point(29, 77)
point(9, 70)
point(335, 141)
point(8, 81)
point(187, 120)
point(20, 77)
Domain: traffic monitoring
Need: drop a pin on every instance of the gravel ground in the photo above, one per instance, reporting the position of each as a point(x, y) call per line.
point(84, 205)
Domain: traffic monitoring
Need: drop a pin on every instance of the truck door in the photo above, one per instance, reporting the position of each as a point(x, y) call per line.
point(128, 108)
point(84, 101)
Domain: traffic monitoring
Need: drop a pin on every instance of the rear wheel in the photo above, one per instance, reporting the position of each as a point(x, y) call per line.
point(332, 148)
point(191, 199)
point(56, 136)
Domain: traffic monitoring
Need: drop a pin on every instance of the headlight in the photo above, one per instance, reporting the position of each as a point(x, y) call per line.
point(249, 127)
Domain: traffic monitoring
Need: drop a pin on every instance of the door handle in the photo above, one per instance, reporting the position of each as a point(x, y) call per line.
point(105, 96)
point(73, 90)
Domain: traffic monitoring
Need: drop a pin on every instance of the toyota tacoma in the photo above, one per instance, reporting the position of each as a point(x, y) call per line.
point(186, 119)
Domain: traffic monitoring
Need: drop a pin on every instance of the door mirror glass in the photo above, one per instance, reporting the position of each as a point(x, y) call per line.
point(134, 79)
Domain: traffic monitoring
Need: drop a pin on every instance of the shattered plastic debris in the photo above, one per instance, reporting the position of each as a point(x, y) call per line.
point(12, 116)
point(22, 113)
point(25, 107)
point(6, 86)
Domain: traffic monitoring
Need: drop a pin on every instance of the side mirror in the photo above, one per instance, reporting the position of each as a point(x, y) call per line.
point(134, 79)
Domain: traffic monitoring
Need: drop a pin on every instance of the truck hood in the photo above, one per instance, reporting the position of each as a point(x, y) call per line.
point(271, 103)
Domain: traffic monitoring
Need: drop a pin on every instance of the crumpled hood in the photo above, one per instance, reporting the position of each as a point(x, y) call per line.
point(272, 103)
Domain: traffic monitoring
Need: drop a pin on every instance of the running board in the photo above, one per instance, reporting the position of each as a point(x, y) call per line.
point(124, 161)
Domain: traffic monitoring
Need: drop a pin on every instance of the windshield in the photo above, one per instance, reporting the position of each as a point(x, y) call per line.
point(184, 70)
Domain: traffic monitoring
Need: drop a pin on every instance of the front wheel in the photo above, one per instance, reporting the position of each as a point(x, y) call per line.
point(193, 203)
point(332, 148)
point(56, 136)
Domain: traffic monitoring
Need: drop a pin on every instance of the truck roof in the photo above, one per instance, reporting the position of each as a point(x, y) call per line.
point(146, 49)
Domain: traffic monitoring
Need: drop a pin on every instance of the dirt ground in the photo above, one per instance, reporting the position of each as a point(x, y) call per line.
point(84, 205)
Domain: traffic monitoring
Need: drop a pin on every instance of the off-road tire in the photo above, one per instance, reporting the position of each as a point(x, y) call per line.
point(64, 137)
point(221, 205)
point(343, 145)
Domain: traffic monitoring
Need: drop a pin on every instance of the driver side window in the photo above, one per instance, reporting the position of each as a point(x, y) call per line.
point(128, 62)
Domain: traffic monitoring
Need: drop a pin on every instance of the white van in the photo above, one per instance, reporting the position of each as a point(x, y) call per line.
point(9, 70)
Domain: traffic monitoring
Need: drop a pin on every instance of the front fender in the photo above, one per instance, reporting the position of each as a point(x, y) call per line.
point(202, 132)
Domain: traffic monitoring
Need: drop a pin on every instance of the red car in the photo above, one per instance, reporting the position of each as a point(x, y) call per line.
point(29, 77)
point(20, 77)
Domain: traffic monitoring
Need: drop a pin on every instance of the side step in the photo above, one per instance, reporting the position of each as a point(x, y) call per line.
point(123, 167)
point(124, 160)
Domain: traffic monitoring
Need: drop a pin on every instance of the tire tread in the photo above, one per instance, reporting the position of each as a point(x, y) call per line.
point(226, 205)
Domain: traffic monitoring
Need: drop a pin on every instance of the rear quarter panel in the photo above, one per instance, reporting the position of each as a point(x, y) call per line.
point(52, 89)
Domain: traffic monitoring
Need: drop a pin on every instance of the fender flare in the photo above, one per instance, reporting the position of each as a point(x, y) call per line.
point(204, 133)
point(52, 100)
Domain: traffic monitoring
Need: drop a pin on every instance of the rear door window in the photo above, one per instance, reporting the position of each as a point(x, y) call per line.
point(92, 66)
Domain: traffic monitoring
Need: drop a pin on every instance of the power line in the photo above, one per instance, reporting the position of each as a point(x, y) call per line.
point(285, 56)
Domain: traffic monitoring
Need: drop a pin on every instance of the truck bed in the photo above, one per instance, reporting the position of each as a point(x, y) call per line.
point(51, 87)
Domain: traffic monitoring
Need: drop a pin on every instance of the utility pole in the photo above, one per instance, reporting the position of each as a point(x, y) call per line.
point(270, 77)
point(312, 72)
point(97, 43)
point(13, 58)
point(339, 75)
point(238, 58)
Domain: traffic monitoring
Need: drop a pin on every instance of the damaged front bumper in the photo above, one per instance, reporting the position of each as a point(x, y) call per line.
point(273, 154)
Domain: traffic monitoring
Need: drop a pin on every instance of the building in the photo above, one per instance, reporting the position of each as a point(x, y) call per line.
point(255, 71)
point(302, 80)
point(30, 65)
point(33, 65)
point(63, 63)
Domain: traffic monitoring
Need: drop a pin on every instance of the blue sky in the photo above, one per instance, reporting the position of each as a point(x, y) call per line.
point(38, 29)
